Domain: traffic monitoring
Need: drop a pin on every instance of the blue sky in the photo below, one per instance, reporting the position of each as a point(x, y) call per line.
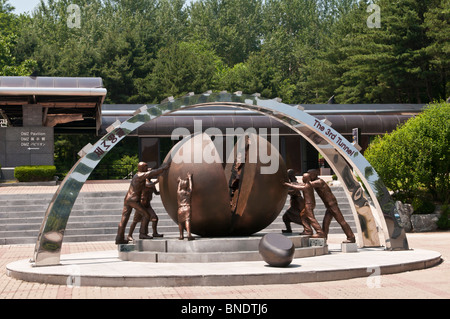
point(23, 6)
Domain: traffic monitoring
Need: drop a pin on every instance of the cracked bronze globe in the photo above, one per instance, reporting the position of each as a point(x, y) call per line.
point(236, 197)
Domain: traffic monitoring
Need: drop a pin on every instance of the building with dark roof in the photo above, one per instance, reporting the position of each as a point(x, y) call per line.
point(54, 105)
point(371, 120)
point(32, 109)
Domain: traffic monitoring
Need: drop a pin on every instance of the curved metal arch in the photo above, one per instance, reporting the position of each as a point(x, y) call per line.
point(342, 156)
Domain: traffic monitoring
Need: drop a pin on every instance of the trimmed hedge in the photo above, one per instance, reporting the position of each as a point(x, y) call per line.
point(37, 173)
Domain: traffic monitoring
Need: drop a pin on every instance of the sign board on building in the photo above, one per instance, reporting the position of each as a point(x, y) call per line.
point(26, 146)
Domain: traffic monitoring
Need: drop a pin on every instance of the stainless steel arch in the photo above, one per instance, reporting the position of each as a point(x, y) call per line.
point(342, 156)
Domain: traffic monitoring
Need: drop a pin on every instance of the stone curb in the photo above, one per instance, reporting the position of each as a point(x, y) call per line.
point(105, 269)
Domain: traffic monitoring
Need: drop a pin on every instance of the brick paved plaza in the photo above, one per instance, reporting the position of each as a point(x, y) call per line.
point(423, 284)
point(428, 283)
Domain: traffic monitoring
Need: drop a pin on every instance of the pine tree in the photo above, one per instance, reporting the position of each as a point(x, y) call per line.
point(388, 64)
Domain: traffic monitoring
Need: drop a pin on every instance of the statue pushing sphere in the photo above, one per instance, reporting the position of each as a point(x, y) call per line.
point(236, 199)
point(184, 194)
point(210, 213)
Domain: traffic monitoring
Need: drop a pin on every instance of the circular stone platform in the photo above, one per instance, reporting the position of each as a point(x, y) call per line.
point(105, 269)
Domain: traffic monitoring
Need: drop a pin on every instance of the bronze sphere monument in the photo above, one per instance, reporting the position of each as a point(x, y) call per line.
point(236, 199)
point(263, 191)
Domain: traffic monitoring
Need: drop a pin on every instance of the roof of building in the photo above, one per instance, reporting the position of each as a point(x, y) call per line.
point(78, 97)
point(371, 119)
point(80, 101)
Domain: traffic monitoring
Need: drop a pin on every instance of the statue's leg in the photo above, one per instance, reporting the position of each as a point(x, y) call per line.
point(126, 212)
point(287, 222)
point(307, 230)
point(309, 212)
point(326, 222)
point(337, 214)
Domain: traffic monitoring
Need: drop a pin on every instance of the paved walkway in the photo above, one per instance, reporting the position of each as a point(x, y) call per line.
point(428, 283)
point(89, 186)
point(422, 284)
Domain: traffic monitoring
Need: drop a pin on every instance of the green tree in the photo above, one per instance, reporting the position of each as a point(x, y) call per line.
point(389, 64)
point(437, 26)
point(320, 69)
point(416, 156)
point(233, 27)
point(311, 49)
point(9, 64)
point(67, 147)
point(172, 21)
point(116, 41)
point(182, 68)
point(301, 36)
point(259, 74)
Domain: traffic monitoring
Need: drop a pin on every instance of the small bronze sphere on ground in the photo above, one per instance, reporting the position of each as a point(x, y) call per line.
point(277, 250)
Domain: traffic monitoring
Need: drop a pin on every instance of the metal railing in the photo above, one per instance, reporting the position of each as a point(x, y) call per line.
point(112, 171)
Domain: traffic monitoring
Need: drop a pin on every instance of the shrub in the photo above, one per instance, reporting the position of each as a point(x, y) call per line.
point(126, 163)
point(131, 161)
point(423, 206)
point(34, 173)
point(416, 156)
point(444, 221)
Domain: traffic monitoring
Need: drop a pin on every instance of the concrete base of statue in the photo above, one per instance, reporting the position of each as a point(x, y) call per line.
point(349, 247)
point(225, 249)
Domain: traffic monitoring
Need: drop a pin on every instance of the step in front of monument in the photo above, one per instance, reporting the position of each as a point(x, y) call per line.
point(227, 249)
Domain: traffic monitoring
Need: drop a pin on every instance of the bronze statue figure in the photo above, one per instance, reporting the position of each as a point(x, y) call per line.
point(310, 204)
point(133, 197)
point(146, 197)
point(234, 183)
point(297, 204)
point(332, 207)
point(236, 174)
point(184, 195)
